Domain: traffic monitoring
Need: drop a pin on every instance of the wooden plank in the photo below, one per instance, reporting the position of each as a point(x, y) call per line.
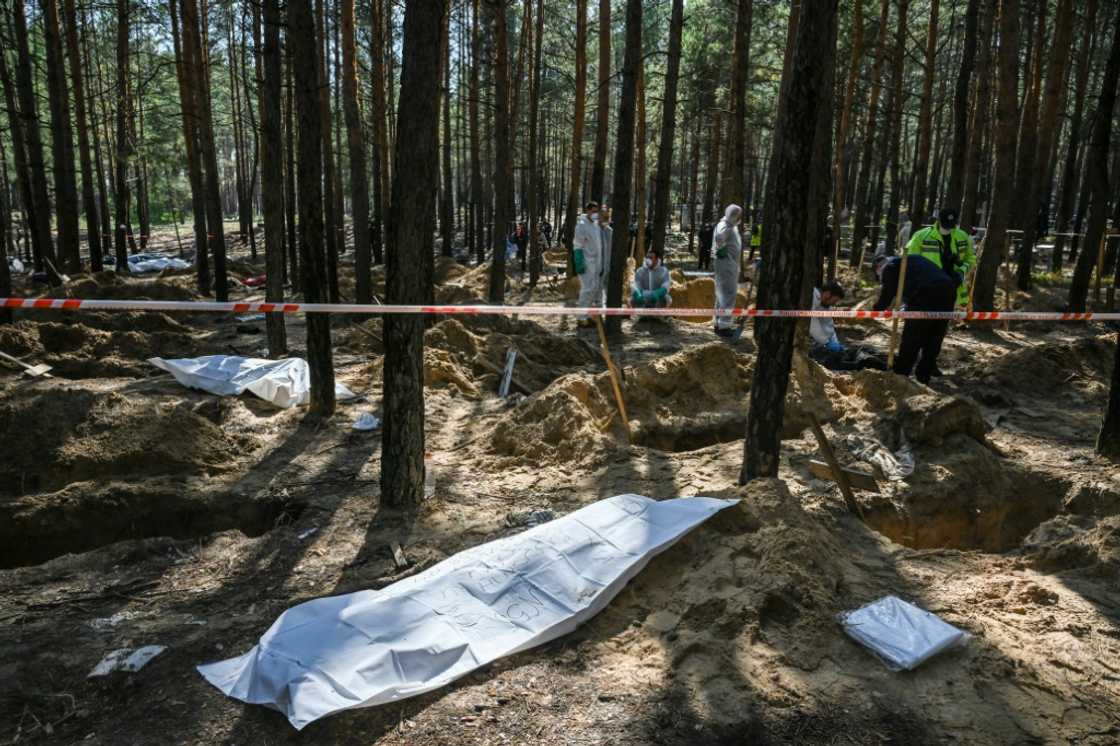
point(838, 472)
point(858, 479)
point(398, 556)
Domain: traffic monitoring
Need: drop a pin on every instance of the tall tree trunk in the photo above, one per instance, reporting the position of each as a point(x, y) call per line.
point(477, 198)
point(331, 219)
point(640, 169)
point(62, 142)
point(193, 35)
point(535, 253)
point(577, 131)
point(122, 203)
point(918, 202)
point(1036, 206)
point(1003, 187)
point(603, 108)
point(305, 48)
point(979, 122)
point(503, 156)
point(1026, 214)
point(1070, 170)
point(290, 171)
point(89, 203)
point(796, 143)
point(272, 174)
point(735, 167)
point(104, 224)
point(37, 202)
point(188, 105)
point(447, 197)
point(839, 185)
point(359, 188)
point(380, 113)
point(898, 103)
point(6, 245)
point(958, 154)
point(864, 182)
point(624, 157)
point(669, 127)
point(409, 275)
point(1097, 176)
point(711, 169)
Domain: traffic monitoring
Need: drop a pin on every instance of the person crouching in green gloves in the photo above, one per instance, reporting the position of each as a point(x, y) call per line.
point(650, 288)
point(947, 246)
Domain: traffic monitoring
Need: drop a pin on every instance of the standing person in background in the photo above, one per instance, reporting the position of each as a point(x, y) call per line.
point(587, 256)
point(905, 228)
point(546, 230)
point(727, 245)
point(756, 241)
point(705, 246)
point(607, 236)
point(520, 239)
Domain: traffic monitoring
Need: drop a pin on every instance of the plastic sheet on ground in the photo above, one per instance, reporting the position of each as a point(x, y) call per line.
point(895, 466)
point(497, 599)
point(899, 633)
point(285, 383)
point(140, 264)
point(126, 659)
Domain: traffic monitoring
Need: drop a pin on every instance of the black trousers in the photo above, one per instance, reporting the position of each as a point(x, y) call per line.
point(922, 338)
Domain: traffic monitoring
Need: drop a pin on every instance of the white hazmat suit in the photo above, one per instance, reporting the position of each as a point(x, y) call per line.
point(727, 249)
point(588, 243)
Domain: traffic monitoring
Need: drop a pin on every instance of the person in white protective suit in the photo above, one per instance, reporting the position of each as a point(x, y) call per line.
point(727, 248)
point(587, 256)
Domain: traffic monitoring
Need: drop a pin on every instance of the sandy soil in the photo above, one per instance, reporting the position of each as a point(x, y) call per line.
point(135, 512)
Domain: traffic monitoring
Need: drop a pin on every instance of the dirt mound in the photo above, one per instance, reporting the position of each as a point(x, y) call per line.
point(567, 422)
point(70, 434)
point(75, 350)
point(700, 293)
point(1069, 542)
point(110, 285)
point(447, 269)
point(1084, 364)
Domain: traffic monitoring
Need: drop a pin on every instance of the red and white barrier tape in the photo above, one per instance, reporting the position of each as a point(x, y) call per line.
point(75, 304)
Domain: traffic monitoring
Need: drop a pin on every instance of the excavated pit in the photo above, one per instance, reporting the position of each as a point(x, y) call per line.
point(85, 516)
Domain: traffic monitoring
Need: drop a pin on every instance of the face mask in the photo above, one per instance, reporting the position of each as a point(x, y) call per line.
point(944, 231)
point(594, 217)
point(649, 263)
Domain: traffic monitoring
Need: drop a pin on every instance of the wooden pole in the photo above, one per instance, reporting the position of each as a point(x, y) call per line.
point(614, 378)
point(837, 472)
point(896, 306)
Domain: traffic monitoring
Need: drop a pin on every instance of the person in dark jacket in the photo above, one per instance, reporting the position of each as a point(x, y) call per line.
point(706, 232)
point(927, 287)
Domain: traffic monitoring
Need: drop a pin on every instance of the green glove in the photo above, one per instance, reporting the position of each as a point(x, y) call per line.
point(636, 297)
point(721, 254)
point(659, 293)
point(579, 262)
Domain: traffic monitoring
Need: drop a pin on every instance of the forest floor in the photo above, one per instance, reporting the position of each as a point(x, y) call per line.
point(134, 512)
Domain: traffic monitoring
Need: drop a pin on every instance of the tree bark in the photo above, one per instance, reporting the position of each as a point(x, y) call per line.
point(1029, 163)
point(89, 203)
point(842, 139)
point(864, 183)
point(1070, 170)
point(272, 175)
point(331, 218)
point(979, 120)
point(447, 197)
point(1003, 187)
point(577, 130)
point(355, 142)
point(669, 127)
point(193, 35)
point(918, 206)
point(898, 102)
point(735, 167)
point(123, 197)
point(603, 108)
point(410, 253)
point(477, 198)
point(503, 156)
point(380, 113)
point(535, 252)
point(790, 190)
point(1097, 176)
point(305, 48)
point(624, 158)
point(959, 151)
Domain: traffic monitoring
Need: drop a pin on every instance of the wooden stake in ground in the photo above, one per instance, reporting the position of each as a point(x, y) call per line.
point(837, 472)
point(895, 307)
point(614, 377)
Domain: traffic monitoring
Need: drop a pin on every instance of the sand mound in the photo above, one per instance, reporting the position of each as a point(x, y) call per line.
point(567, 422)
point(70, 434)
point(110, 285)
point(700, 293)
point(76, 350)
point(1068, 542)
point(1084, 363)
point(447, 269)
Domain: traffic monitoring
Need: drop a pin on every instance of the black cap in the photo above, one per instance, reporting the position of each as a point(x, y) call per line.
point(947, 217)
